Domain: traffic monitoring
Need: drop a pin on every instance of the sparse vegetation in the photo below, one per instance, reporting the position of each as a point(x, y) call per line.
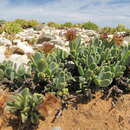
point(12, 28)
point(68, 24)
point(53, 24)
point(89, 25)
point(112, 30)
point(26, 23)
point(102, 65)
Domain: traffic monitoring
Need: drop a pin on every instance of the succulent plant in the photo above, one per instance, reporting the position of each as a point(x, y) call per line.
point(17, 75)
point(99, 63)
point(70, 34)
point(1, 74)
point(24, 106)
point(47, 69)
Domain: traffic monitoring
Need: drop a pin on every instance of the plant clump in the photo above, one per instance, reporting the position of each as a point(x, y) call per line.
point(26, 23)
point(70, 34)
point(24, 107)
point(12, 28)
point(68, 25)
point(90, 26)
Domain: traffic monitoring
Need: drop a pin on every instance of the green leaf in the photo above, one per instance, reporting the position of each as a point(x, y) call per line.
point(105, 82)
point(12, 76)
point(24, 117)
point(21, 70)
point(1, 74)
point(81, 71)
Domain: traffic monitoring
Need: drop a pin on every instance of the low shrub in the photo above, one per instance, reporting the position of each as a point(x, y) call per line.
point(26, 23)
point(33, 23)
point(1, 29)
point(68, 25)
point(112, 30)
point(120, 28)
point(12, 28)
point(108, 30)
point(53, 24)
point(22, 22)
point(2, 22)
point(90, 26)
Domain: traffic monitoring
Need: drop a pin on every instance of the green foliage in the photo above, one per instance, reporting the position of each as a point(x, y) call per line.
point(12, 27)
point(120, 28)
point(99, 63)
point(78, 25)
point(108, 30)
point(46, 69)
point(1, 26)
point(62, 26)
point(22, 22)
point(2, 21)
point(89, 25)
point(68, 24)
point(10, 71)
point(24, 106)
point(128, 30)
point(32, 23)
point(1, 29)
point(1, 74)
point(26, 23)
point(53, 24)
point(112, 30)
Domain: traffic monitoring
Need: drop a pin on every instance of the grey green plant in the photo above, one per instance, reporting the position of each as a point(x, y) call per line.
point(24, 106)
point(98, 63)
point(14, 73)
point(47, 68)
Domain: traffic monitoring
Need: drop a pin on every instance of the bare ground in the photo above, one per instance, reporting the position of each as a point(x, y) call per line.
point(98, 114)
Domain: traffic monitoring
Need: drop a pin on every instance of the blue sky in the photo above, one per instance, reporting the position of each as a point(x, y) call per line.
point(102, 12)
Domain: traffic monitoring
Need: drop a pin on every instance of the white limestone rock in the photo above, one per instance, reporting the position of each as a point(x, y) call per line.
point(125, 43)
point(25, 47)
point(4, 41)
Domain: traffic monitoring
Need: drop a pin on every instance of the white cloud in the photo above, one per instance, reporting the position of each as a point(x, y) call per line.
point(69, 10)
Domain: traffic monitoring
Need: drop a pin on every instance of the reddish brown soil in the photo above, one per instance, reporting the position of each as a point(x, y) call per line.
point(98, 114)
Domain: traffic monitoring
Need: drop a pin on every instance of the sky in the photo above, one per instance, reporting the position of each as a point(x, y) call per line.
point(102, 12)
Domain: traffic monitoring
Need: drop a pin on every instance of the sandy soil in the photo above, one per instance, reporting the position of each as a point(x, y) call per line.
point(98, 114)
